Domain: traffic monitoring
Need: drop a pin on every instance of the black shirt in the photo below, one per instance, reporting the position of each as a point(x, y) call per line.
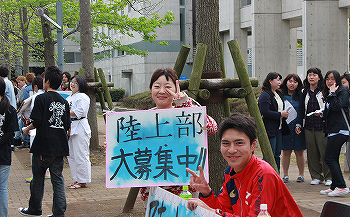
point(51, 118)
point(8, 125)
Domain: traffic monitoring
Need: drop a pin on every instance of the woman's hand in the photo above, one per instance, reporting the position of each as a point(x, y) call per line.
point(284, 114)
point(297, 130)
point(333, 88)
point(178, 95)
point(192, 204)
point(198, 182)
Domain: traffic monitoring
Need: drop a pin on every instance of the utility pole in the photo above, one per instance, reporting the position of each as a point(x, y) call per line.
point(59, 26)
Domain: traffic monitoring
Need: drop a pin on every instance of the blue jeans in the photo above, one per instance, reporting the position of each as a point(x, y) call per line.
point(276, 145)
point(18, 133)
point(4, 175)
point(39, 166)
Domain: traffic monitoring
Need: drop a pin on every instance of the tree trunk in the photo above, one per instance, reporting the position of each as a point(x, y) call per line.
point(87, 61)
point(25, 53)
point(49, 46)
point(207, 32)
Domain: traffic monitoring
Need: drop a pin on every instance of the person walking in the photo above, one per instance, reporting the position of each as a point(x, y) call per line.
point(291, 89)
point(311, 105)
point(336, 116)
point(80, 133)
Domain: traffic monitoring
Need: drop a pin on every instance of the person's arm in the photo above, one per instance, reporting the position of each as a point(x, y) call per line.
point(264, 107)
point(37, 112)
point(207, 198)
point(300, 113)
point(338, 100)
point(81, 107)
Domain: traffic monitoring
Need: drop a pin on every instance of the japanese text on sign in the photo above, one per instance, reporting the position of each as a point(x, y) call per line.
point(154, 147)
point(164, 203)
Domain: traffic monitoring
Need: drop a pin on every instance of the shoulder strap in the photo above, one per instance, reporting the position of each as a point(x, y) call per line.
point(346, 120)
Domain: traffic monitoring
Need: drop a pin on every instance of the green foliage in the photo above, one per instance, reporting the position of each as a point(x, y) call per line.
point(112, 15)
point(116, 94)
point(299, 43)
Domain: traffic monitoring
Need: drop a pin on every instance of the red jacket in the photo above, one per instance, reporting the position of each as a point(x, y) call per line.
point(242, 193)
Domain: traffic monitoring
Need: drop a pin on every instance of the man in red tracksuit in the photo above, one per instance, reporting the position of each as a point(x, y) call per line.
point(248, 181)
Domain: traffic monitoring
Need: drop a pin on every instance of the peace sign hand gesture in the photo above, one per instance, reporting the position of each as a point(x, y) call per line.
point(198, 182)
point(179, 97)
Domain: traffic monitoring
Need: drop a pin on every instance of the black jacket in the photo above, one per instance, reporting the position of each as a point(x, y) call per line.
point(269, 110)
point(332, 114)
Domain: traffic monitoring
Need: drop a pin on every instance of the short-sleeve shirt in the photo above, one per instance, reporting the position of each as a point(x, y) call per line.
point(8, 123)
point(51, 118)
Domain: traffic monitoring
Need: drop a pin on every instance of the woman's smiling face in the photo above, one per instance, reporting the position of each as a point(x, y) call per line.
point(160, 96)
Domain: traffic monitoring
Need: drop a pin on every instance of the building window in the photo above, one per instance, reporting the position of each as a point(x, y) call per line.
point(245, 3)
point(72, 57)
point(69, 57)
point(77, 57)
point(182, 2)
point(121, 53)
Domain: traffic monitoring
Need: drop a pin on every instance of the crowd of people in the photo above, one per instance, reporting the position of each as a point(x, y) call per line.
point(316, 113)
point(312, 115)
point(34, 115)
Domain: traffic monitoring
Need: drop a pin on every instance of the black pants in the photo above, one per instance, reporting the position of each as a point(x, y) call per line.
point(331, 158)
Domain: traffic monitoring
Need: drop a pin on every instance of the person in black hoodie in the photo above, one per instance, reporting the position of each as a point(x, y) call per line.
point(335, 114)
point(271, 108)
point(8, 125)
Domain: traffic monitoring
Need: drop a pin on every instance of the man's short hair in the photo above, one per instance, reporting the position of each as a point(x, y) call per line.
point(241, 123)
point(54, 75)
point(4, 72)
point(38, 81)
point(30, 76)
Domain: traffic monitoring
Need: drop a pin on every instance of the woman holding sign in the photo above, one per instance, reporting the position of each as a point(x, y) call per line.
point(165, 90)
point(80, 133)
point(291, 89)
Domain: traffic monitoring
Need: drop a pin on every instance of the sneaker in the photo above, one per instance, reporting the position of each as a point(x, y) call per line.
point(25, 211)
point(28, 180)
point(50, 215)
point(300, 179)
point(325, 192)
point(315, 182)
point(328, 183)
point(285, 179)
point(338, 192)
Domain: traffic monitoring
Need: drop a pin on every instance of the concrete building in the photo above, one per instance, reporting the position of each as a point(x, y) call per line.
point(132, 72)
point(267, 32)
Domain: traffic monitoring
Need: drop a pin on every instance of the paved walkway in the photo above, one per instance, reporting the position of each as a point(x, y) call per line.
point(98, 200)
